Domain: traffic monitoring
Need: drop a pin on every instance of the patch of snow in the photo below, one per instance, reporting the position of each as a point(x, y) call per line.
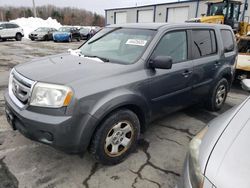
point(31, 23)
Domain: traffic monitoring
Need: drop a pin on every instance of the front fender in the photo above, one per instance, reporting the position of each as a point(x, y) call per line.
point(117, 99)
point(108, 103)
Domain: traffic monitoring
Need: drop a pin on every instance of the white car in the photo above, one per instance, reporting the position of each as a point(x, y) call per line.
point(10, 30)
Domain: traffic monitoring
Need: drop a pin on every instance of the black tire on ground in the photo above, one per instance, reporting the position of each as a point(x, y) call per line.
point(46, 38)
point(78, 39)
point(32, 39)
point(218, 95)
point(107, 145)
point(70, 39)
point(18, 37)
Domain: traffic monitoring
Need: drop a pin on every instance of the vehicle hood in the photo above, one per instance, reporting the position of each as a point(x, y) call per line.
point(228, 164)
point(67, 68)
point(39, 32)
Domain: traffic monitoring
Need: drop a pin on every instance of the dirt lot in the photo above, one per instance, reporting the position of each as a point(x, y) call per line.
point(157, 162)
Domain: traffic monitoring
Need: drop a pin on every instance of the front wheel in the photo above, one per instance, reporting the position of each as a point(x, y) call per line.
point(116, 137)
point(218, 95)
point(18, 37)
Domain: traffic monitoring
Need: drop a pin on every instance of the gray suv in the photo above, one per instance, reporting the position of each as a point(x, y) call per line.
point(101, 96)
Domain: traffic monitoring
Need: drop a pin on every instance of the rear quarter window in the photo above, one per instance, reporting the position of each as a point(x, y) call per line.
point(228, 40)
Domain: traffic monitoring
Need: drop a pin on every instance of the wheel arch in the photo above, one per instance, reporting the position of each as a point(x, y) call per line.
point(131, 102)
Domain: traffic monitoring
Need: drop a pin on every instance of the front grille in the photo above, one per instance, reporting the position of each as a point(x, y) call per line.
point(20, 88)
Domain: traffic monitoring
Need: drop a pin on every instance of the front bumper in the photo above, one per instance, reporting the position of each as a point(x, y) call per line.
point(71, 134)
point(32, 37)
point(185, 181)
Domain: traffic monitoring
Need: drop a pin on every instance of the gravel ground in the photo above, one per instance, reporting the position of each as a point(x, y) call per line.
point(156, 163)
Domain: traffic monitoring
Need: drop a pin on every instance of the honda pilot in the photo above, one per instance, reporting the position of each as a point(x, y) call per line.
point(102, 96)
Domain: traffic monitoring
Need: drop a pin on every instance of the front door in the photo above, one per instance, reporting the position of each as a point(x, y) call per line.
point(170, 88)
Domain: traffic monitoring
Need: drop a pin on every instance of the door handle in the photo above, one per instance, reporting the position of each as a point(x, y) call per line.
point(186, 73)
point(217, 64)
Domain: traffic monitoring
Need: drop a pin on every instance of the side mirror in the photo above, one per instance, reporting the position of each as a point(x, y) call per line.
point(245, 84)
point(161, 62)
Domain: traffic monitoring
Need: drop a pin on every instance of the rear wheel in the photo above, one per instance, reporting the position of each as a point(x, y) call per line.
point(116, 137)
point(218, 95)
point(70, 39)
point(46, 37)
point(18, 37)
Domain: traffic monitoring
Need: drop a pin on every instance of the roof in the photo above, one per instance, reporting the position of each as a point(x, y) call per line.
point(149, 5)
point(156, 26)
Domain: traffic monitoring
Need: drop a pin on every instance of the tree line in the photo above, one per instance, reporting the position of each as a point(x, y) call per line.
point(66, 16)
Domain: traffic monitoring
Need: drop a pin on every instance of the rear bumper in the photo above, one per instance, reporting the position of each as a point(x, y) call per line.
point(71, 134)
point(61, 37)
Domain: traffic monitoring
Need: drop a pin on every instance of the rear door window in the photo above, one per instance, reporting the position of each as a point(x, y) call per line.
point(228, 40)
point(173, 44)
point(204, 43)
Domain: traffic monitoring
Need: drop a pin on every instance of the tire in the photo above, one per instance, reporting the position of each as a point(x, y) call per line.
point(78, 39)
point(32, 39)
point(70, 39)
point(46, 38)
point(118, 129)
point(18, 37)
point(218, 95)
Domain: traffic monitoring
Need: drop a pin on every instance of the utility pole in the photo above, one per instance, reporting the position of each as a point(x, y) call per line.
point(2, 15)
point(34, 8)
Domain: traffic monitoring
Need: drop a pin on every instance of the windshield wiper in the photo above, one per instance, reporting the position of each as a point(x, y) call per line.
point(104, 35)
point(94, 56)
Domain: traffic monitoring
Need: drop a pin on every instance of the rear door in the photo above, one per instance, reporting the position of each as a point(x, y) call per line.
point(206, 61)
point(10, 30)
point(170, 88)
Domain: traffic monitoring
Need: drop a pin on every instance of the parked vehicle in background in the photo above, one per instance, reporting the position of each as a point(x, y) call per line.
point(85, 33)
point(42, 33)
point(243, 62)
point(218, 156)
point(10, 30)
point(66, 33)
point(105, 93)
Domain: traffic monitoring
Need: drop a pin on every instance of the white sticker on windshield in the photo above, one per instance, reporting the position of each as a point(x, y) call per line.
point(136, 42)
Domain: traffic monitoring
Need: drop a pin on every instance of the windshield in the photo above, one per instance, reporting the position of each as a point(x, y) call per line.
point(118, 44)
point(84, 30)
point(218, 9)
point(64, 29)
point(42, 29)
point(244, 46)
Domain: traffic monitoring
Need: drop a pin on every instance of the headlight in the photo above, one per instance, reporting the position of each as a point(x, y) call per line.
point(196, 176)
point(50, 95)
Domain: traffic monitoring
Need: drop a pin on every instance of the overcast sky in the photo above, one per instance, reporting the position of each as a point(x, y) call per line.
point(92, 5)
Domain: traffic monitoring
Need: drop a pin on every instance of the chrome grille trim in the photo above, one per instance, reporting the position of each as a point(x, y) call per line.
point(20, 88)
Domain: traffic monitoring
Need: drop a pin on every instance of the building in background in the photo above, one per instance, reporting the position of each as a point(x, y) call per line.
point(166, 12)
